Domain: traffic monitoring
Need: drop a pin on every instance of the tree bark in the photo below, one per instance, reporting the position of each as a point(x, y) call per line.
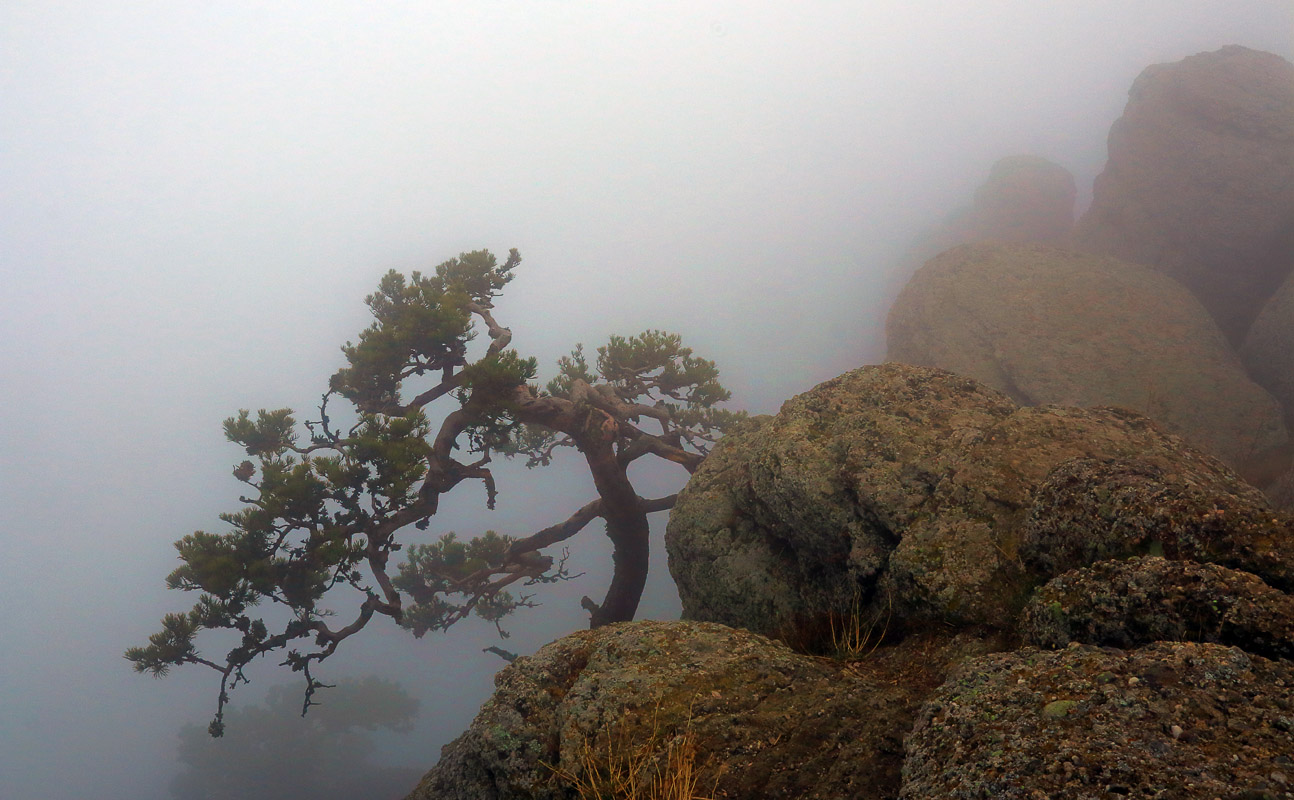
point(631, 536)
point(626, 519)
point(596, 432)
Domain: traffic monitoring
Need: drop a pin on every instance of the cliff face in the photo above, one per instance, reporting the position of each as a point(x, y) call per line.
point(1200, 180)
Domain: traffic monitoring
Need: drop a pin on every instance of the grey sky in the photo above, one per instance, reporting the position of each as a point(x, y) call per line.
point(195, 197)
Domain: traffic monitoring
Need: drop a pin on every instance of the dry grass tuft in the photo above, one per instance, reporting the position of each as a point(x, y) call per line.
point(852, 631)
point(629, 767)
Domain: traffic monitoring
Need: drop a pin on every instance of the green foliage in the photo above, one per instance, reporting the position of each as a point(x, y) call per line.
point(271, 434)
point(385, 456)
point(490, 382)
point(570, 369)
point(173, 644)
point(658, 360)
point(655, 369)
point(421, 324)
point(449, 568)
point(488, 388)
point(333, 511)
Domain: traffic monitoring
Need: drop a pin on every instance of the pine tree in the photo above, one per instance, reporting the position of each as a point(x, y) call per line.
point(328, 505)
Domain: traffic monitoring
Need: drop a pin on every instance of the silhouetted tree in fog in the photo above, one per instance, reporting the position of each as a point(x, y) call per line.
point(328, 513)
point(273, 753)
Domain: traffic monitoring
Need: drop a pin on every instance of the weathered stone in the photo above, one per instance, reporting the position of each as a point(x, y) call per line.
point(907, 487)
point(1090, 510)
point(1200, 180)
point(1143, 600)
point(755, 719)
point(1056, 326)
point(1171, 720)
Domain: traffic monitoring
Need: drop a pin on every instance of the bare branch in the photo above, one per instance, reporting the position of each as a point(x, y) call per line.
point(559, 532)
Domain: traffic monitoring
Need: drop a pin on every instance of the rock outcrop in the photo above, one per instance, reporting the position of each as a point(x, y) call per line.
point(1047, 325)
point(751, 718)
point(1179, 720)
point(1200, 181)
point(1089, 510)
point(912, 489)
point(1019, 600)
point(1143, 600)
point(902, 519)
point(1026, 199)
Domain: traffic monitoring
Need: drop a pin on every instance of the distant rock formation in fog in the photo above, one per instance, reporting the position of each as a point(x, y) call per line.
point(1200, 180)
point(1025, 199)
point(1268, 350)
point(1268, 354)
point(1047, 325)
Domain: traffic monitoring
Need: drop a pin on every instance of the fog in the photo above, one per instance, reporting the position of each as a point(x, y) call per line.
point(195, 198)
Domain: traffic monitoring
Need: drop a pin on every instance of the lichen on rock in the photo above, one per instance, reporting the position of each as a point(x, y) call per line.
point(1167, 720)
point(761, 721)
point(1142, 600)
point(910, 486)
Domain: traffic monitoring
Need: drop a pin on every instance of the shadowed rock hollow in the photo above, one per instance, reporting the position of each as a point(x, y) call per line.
point(1268, 351)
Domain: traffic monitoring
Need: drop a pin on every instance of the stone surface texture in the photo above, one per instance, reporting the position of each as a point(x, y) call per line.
point(1170, 720)
point(1142, 600)
point(1090, 510)
point(909, 488)
point(756, 720)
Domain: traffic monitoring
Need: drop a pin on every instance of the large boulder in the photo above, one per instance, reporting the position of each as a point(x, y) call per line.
point(1090, 510)
point(1200, 180)
point(1170, 720)
point(743, 714)
point(907, 488)
point(1143, 600)
point(1026, 199)
point(1046, 325)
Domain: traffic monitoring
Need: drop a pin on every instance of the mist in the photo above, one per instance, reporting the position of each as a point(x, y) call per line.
point(195, 199)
